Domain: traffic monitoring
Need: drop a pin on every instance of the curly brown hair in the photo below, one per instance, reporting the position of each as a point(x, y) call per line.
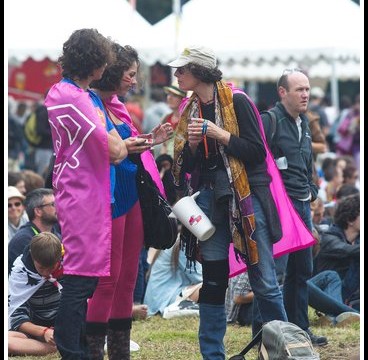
point(205, 74)
point(125, 56)
point(85, 51)
point(348, 209)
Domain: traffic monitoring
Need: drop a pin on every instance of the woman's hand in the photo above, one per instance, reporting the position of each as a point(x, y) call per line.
point(208, 128)
point(161, 133)
point(136, 145)
point(195, 133)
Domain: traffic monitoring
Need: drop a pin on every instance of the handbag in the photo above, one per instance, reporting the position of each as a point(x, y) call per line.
point(160, 230)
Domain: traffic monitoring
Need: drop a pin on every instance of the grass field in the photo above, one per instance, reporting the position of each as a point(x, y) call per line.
point(176, 339)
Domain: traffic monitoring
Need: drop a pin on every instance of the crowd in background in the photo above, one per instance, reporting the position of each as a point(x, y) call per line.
point(336, 216)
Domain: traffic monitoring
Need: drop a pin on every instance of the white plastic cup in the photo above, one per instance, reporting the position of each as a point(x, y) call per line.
point(193, 218)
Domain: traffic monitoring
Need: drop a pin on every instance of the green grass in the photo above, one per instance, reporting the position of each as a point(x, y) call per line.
point(176, 339)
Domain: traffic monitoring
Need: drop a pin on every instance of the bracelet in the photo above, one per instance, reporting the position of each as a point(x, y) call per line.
point(45, 329)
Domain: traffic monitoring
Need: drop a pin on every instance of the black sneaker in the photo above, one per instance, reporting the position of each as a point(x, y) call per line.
point(317, 340)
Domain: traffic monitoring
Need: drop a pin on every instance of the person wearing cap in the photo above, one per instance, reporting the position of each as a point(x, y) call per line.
point(174, 97)
point(17, 217)
point(219, 142)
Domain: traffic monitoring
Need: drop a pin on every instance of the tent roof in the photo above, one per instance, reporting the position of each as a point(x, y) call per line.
point(39, 28)
point(253, 39)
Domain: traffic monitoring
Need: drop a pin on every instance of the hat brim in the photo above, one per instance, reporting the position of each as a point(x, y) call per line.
point(179, 62)
point(16, 196)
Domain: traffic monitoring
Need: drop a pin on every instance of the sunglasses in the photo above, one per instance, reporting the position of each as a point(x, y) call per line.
point(16, 204)
point(181, 70)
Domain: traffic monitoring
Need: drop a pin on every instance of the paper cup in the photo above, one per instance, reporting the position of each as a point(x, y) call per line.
point(193, 218)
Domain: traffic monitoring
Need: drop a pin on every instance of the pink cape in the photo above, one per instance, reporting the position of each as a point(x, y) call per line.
point(121, 112)
point(81, 180)
point(296, 235)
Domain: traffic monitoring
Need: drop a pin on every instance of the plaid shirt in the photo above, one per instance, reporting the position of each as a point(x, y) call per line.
point(238, 286)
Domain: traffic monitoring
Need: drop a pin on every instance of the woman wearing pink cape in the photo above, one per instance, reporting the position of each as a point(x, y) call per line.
point(110, 308)
point(86, 145)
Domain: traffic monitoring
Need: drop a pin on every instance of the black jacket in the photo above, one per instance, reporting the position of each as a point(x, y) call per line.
point(297, 177)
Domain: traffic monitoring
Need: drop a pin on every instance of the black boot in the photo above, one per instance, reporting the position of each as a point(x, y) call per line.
point(95, 336)
point(118, 339)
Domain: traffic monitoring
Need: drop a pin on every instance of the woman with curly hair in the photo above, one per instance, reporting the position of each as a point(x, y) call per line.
point(86, 147)
point(110, 308)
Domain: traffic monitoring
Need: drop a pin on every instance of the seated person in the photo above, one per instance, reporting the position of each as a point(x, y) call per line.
point(34, 295)
point(325, 296)
point(40, 208)
point(170, 282)
point(17, 217)
point(340, 246)
point(239, 300)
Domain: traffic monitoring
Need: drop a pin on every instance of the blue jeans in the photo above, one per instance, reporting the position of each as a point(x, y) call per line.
point(298, 271)
point(140, 285)
point(268, 302)
point(324, 291)
point(70, 322)
point(217, 246)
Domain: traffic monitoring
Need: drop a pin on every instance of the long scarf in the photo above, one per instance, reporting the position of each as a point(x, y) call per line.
point(243, 221)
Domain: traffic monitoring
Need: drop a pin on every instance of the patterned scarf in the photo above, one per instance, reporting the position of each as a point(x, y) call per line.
point(243, 221)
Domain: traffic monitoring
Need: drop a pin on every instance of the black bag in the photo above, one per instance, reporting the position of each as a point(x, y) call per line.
point(160, 230)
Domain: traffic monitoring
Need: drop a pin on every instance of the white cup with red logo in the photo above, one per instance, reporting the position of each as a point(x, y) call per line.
point(193, 218)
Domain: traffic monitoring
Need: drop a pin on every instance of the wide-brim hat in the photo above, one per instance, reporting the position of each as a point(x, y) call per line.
point(13, 192)
point(175, 90)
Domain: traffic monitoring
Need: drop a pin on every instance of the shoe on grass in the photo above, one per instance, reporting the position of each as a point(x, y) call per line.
point(347, 318)
point(317, 340)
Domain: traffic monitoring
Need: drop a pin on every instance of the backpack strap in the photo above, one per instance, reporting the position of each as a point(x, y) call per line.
point(263, 353)
point(273, 123)
point(273, 126)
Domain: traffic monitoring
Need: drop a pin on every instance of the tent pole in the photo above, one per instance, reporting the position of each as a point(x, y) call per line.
point(334, 85)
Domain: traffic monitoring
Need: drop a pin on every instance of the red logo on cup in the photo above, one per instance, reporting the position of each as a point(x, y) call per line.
point(194, 220)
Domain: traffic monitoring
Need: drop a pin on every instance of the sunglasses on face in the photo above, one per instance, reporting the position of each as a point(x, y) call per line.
point(181, 70)
point(16, 204)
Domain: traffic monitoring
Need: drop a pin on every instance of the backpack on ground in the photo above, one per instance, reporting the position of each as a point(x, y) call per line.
point(282, 340)
point(30, 130)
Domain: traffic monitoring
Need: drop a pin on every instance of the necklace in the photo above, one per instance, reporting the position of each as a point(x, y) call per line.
point(208, 102)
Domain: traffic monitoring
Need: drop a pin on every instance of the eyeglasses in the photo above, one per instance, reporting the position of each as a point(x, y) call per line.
point(16, 204)
point(48, 204)
point(293, 70)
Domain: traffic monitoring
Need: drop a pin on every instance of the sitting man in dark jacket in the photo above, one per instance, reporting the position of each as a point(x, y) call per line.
point(40, 208)
point(340, 246)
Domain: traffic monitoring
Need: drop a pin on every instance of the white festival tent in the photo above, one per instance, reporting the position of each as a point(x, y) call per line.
point(256, 39)
point(38, 28)
point(253, 39)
